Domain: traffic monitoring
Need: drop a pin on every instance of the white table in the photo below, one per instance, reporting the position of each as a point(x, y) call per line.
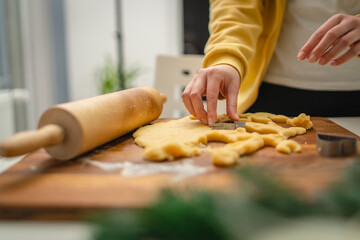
point(350, 123)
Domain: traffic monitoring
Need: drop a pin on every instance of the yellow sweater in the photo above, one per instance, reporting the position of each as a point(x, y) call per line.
point(243, 34)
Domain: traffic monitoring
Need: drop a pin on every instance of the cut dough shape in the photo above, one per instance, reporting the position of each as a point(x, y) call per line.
point(301, 121)
point(188, 137)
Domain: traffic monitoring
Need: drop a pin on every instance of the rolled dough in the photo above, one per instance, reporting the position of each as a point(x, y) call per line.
point(188, 137)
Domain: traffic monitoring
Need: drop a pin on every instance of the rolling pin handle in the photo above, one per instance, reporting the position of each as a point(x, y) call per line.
point(28, 141)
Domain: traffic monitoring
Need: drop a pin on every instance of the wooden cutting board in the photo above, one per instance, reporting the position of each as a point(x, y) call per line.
point(39, 187)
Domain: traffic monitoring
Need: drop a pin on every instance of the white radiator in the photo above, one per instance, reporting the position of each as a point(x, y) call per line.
point(7, 120)
point(13, 102)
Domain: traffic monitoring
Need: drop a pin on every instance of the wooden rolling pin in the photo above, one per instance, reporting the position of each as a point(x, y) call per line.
point(70, 129)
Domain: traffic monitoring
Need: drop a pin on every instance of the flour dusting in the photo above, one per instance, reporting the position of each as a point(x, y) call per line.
point(180, 169)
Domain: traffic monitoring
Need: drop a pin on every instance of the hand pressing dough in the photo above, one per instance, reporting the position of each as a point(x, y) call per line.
point(188, 137)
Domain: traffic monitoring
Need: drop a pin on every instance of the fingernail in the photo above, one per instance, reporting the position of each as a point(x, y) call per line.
point(301, 55)
point(211, 121)
point(204, 120)
point(322, 61)
point(312, 58)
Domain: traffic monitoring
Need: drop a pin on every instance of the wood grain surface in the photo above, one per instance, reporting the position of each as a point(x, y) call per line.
point(39, 187)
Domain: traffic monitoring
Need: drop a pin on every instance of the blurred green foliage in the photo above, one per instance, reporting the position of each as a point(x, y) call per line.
point(262, 202)
point(113, 77)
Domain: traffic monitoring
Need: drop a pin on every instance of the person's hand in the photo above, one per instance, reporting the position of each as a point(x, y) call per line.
point(332, 38)
point(210, 82)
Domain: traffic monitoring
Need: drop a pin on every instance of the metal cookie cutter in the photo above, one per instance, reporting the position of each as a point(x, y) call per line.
point(228, 125)
point(331, 145)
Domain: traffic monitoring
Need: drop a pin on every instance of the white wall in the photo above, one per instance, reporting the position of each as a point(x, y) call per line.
point(91, 35)
point(150, 28)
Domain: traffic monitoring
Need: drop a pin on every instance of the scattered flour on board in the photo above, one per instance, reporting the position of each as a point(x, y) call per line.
point(180, 169)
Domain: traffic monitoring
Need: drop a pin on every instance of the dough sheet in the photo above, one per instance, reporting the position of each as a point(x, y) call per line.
point(187, 137)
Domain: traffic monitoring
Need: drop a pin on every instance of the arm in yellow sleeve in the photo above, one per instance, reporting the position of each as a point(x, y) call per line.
point(243, 34)
point(234, 30)
point(359, 54)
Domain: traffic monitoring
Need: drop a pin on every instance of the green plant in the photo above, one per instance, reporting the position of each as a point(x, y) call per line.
point(113, 77)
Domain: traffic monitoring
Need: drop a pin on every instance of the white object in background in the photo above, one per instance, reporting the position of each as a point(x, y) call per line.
point(37, 57)
point(7, 122)
point(350, 123)
point(91, 37)
point(19, 230)
point(6, 163)
point(11, 99)
point(173, 73)
point(150, 28)
point(8, 100)
point(311, 229)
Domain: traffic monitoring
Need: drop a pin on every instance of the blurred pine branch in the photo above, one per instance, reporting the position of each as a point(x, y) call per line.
point(202, 215)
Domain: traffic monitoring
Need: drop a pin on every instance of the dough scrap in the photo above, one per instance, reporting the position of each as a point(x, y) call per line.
point(187, 137)
point(229, 154)
point(263, 117)
point(288, 146)
point(301, 121)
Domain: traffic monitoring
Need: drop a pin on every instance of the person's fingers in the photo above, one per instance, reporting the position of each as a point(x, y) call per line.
point(231, 107)
point(213, 82)
point(231, 100)
point(186, 97)
point(339, 45)
point(212, 93)
point(197, 91)
point(328, 40)
point(316, 37)
point(351, 53)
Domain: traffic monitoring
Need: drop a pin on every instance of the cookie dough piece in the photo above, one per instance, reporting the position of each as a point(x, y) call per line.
point(263, 117)
point(229, 154)
point(273, 128)
point(288, 146)
point(170, 151)
point(301, 121)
